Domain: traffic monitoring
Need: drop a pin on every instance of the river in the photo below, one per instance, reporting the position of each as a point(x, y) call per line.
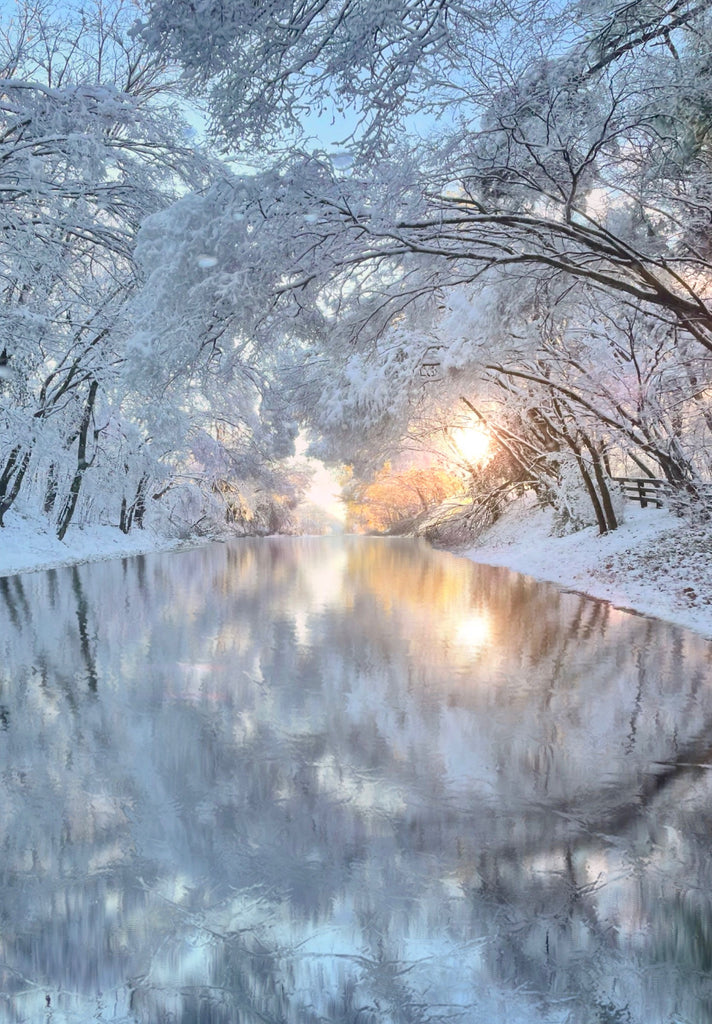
point(348, 780)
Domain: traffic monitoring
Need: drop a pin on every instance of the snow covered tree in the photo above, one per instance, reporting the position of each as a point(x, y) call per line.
point(568, 159)
point(267, 68)
point(211, 338)
point(87, 152)
point(396, 499)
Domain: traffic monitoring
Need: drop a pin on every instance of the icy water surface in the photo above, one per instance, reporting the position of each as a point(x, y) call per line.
point(299, 781)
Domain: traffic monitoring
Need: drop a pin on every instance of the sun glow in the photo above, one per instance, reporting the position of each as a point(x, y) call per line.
point(473, 631)
point(472, 443)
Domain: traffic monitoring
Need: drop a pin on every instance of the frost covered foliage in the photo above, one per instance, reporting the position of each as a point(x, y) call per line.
point(581, 392)
point(249, 278)
point(533, 180)
point(208, 328)
point(112, 409)
point(369, 392)
point(265, 65)
point(508, 212)
point(86, 153)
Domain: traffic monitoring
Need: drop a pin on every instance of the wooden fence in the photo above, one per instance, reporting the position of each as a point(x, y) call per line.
point(645, 490)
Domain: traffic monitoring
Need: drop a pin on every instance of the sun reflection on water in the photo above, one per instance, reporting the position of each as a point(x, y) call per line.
point(473, 631)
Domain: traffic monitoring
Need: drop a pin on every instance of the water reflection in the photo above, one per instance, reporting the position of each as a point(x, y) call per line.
point(347, 780)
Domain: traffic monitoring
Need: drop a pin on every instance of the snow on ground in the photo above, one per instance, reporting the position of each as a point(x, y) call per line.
point(653, 563)
point(25, 544)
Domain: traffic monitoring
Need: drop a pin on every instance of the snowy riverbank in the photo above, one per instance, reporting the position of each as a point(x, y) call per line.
point(26, 545)
point(655, 563)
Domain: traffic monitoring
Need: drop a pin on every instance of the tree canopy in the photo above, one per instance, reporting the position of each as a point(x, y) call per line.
point(505, 210)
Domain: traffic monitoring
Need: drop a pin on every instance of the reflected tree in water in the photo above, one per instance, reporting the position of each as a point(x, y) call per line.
point(289, 780)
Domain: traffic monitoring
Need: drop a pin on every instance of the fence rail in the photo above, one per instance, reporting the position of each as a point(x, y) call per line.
point(645, 490)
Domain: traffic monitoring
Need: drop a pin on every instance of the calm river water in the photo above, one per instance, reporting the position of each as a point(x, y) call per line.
point(299, 781)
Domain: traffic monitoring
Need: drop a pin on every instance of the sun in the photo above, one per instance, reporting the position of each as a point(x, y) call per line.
point(472, 443)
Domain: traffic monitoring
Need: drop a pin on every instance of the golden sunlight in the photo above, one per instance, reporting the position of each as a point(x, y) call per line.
point(472, 443)
point(473, 631)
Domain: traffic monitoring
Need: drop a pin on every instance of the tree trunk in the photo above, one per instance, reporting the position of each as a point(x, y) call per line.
point(140, 502)
point(70, 504)
point(125, 516)
point(11, 479)
point(601, 503)
point(134, 512)
point(50, 490)
point(592, 493)
point(602, 484)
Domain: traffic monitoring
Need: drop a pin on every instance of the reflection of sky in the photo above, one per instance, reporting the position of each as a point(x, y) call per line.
point(321, 770)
